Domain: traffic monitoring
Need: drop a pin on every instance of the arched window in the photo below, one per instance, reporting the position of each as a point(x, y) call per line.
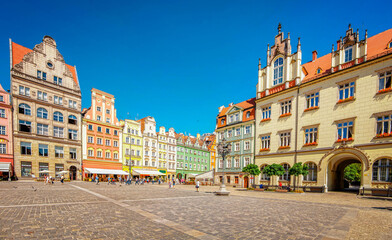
point(382, 170)
point(248, 114)
point(312, 176)
point(263, 175)
point(286, 175)
point(72, 119)
point(24, 109)
point(42, 113)
point(278, 71)
point(58, 116)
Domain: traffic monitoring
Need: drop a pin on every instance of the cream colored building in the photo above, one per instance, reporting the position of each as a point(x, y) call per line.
point(327, 113)
point(171, 153)
point(132, 144)
point(47, 112)
point(162, 150)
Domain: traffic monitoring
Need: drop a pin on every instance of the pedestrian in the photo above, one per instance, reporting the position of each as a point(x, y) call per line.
point(119, 179)
point(62, 179)
point(197, 185)
point(280, 185)
point(97, 179)
point(170, 184)
point(174, 183)
point(45, 180)
point(108, 180)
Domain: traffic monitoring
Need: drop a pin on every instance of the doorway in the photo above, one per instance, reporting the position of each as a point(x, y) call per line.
point(72, 173)
point(341, 175)
point(246, 182)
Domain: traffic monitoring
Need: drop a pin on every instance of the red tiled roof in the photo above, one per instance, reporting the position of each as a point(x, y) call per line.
point(376, 44)
point(18, 52)
point(245, 104)
point(248, 105)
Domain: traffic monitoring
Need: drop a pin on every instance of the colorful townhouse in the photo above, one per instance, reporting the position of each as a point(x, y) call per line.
point(193, 157)
point(102, 152)
point(171, 153)
point(162, 150)
point(132, 144)
point(46, 99)
point(150, 163)
point(327, 113)
point(6, 146)
point(236, 123)
point(210, 140)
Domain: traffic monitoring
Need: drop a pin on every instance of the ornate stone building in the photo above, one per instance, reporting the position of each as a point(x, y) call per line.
point(236, 123)
point(102, 150)
point(46, 117)
point(6, 143)
point(327, 113)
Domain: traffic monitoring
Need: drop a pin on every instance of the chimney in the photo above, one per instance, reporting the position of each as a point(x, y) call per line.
point(231, 104)
point(314, 55)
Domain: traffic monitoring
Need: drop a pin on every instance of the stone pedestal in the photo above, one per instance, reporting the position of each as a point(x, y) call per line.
point(222, 191)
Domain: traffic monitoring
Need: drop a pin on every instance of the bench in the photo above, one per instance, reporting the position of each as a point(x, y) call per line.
point(383, 192)
point(281, 190)
point(316, 189)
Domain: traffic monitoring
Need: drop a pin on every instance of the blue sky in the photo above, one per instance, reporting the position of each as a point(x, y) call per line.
point(178, 60)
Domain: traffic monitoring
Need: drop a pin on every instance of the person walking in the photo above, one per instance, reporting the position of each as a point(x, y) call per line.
point(62, 179)
point(120, 180)
point(174, 183)
point(170, 184)
point(108, 180)
point(197, 185)
point(97, 180)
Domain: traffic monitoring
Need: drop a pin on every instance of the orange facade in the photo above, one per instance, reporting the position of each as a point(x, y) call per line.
point(103, 133)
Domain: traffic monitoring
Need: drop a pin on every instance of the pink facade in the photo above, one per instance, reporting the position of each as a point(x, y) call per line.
point(6, 145)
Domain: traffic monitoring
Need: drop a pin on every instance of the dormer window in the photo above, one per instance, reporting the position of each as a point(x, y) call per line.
point(248, 115)
point(278, 71)
point(348, 54)
point(390, 45)
point(318, 70)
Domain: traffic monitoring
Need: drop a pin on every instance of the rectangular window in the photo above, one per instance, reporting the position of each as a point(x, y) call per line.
point(107, 142)
point(384, 126)
point(265, 142)
point(229, 133)
point(25, 148)
point(26, 169)
point(1, 98)
point(42, 129)
point(285, 139)
point(72, 153)
point(312, 100)
point(72, 104)
point(348, 54)
point(72, 134)
point(238, 132)
point(90, 139)
point(90, 127)
point(115, 155)
point(107, 130)
point(2, 130)
point(346, 91)
point(99, 153)
point(57, 80)
point(384, 81)
point(98, 109)
point(58, 132)
point(90, 153)
point(246, 161)
point(266, 113)
point(345, 131)
point(107, 120)
point(58, 168)
point(107, 111)
point(311, 136)
point(247, 145)
point(58, 152)
point(43, 150)
point(285, 108)
point(43, 167)
point(24, 126)
point(43, 75)
point(58, 100)
point(99, 141)
point(115, 132)
point(24, 91)
point(236, 146)
point(99, 129)
point(3, 148)
point(42, 96)
point(39, 74)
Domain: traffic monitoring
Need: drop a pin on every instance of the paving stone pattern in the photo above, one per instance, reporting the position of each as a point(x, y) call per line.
point(80, 210)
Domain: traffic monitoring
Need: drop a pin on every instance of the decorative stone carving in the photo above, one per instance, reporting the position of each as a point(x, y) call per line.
point(59, 57)
point(39, 48)
point(19, 66)
point(29, 57)
point(49, 40)
point(67, 72)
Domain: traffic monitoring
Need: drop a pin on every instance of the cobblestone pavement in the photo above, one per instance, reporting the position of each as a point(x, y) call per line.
point(81, 210)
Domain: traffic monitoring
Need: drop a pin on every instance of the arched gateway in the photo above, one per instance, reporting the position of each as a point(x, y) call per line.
point(333, 163)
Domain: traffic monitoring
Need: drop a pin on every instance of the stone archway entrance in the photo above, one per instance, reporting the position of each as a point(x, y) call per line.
point(72, 173)
point(336, 173)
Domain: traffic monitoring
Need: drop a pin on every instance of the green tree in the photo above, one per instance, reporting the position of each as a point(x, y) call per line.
point(298, 169)
point(274, 170)
point(352, 173)
point(251, 169)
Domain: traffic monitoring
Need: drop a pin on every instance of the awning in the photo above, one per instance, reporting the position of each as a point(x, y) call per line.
point(5, 167)
point(148, 172)
point(192, 175)
point(105, 171)
point(206, 175)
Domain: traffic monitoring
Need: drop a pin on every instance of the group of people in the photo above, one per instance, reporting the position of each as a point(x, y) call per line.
point(50, 179)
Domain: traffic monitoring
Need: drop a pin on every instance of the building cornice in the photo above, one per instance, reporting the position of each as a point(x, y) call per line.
point(46, 103)
point(235, 124)
point(49, 139)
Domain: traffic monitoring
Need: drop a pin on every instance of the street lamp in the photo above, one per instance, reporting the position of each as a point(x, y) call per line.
point(224, 149)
